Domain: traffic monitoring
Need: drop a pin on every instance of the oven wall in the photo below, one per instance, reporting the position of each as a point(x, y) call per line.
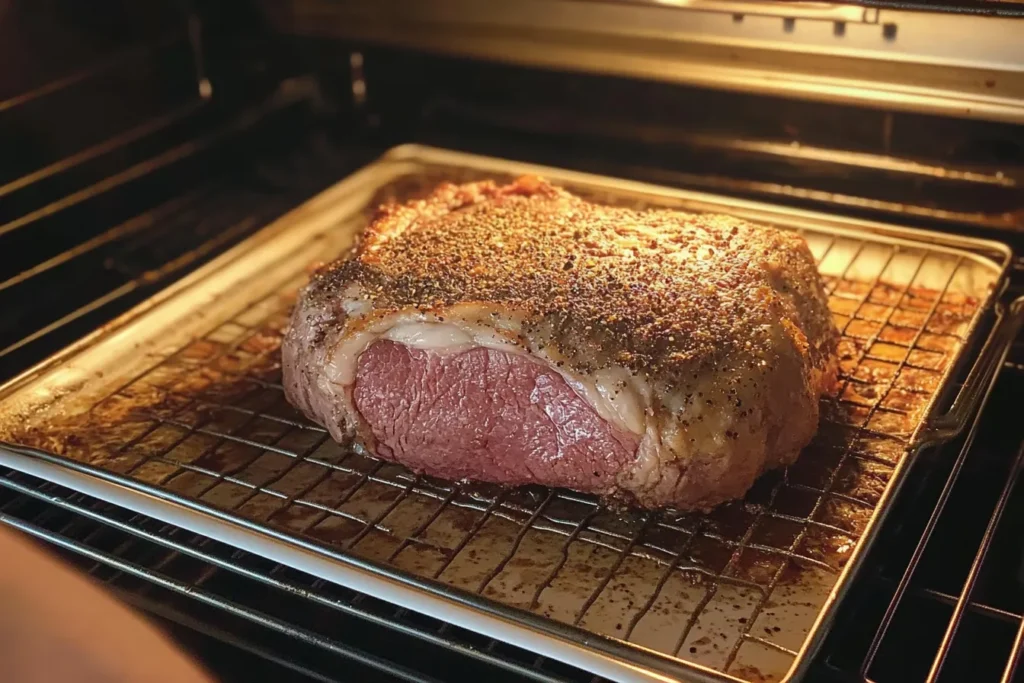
point(928, 169)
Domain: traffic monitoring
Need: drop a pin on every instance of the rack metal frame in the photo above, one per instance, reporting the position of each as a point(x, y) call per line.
point(192, 471)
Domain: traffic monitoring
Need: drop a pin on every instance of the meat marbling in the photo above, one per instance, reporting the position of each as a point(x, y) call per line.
point(519, 334)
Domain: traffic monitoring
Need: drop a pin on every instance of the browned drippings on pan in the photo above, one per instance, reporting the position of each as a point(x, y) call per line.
point(735, 590)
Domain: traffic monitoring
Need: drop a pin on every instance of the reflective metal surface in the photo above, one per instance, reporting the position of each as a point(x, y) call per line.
point(894, 59)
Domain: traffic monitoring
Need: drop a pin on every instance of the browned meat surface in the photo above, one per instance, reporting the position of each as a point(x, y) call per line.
point(519, 334)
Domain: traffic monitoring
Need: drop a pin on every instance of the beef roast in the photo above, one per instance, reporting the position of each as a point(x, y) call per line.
point(519, 334)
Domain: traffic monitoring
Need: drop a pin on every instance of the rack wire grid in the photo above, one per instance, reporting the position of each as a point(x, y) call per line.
point(165, 570)
point(735, 590)
point(970, 610)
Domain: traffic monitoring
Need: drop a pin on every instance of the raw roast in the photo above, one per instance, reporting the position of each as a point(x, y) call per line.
point(519, 334)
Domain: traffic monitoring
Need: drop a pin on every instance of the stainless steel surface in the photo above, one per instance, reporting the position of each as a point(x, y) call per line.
point(960, 66)
point(178, 400)
point(916, 185)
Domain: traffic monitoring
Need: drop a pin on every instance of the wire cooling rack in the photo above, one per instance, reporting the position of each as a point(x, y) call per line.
point(737, 590)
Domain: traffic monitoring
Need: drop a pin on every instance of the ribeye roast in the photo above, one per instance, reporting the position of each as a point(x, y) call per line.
point(519, 334)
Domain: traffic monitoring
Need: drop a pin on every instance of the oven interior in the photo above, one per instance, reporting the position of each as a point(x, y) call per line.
point(145, 140)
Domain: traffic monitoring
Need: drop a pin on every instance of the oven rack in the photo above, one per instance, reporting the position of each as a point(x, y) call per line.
point(124, 212)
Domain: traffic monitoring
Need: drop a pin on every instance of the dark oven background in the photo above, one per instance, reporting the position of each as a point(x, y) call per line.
point(142, 139)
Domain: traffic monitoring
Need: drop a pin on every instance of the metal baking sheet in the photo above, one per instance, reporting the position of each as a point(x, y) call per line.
point(176, 410)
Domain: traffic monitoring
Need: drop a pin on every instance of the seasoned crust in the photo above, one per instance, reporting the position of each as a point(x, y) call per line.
point(668, 295)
